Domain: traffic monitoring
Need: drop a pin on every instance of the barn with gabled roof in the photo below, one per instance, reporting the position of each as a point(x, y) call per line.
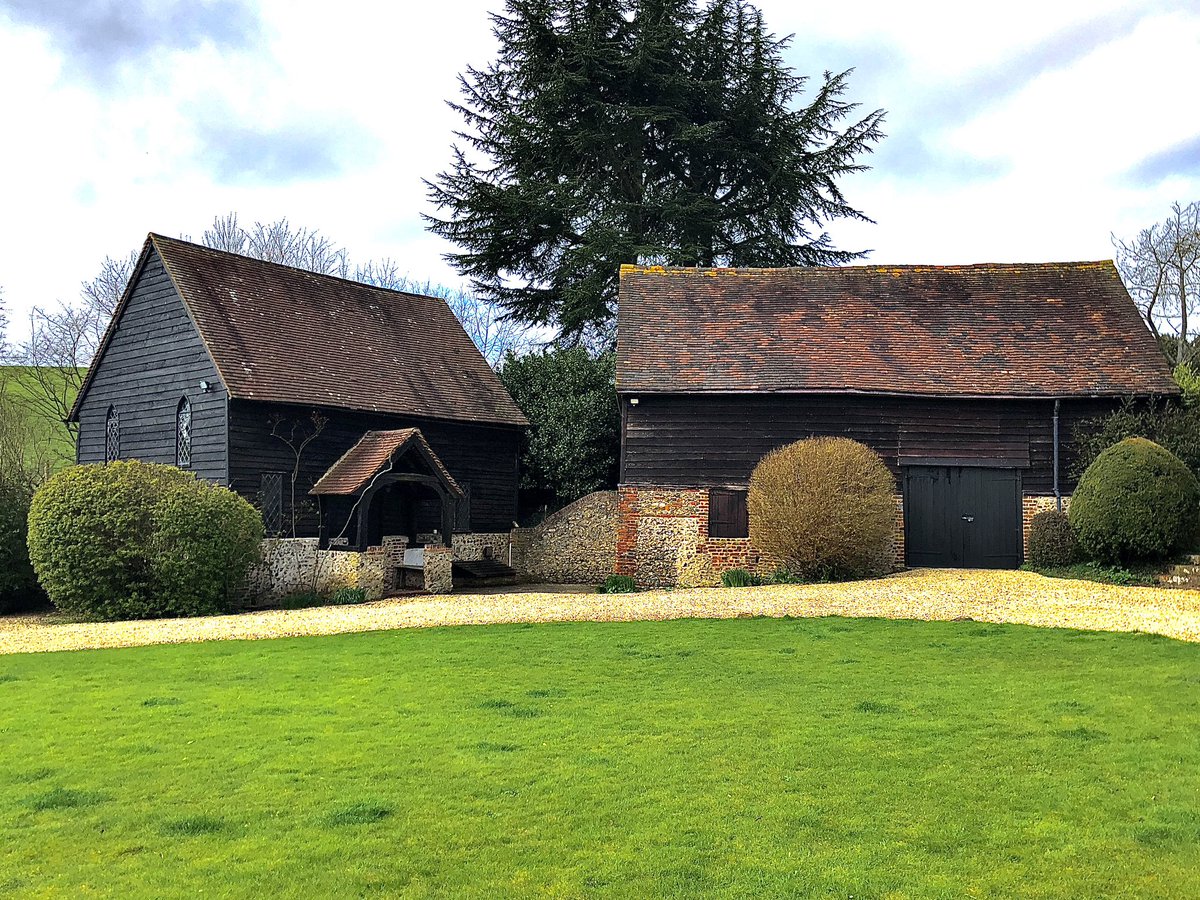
point(969, 381)
point(264, 377)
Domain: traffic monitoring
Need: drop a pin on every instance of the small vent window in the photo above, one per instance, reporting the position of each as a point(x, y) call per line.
point(272, 503)
point(183, 434)
point(727, 514)
point(112, 435)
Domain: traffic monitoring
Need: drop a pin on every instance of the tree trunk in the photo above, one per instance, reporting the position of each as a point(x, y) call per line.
point(1181, 348)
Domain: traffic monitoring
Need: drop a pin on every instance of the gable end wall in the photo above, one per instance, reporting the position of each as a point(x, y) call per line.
point(154, 359)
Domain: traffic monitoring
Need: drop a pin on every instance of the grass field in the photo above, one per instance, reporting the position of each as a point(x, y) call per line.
point(747, 758)
point(47, 439)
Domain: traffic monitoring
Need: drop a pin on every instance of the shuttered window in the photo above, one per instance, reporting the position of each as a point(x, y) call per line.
point(727, 514)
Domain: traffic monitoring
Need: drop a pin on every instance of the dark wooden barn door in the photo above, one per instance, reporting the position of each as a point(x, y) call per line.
point(961, 516)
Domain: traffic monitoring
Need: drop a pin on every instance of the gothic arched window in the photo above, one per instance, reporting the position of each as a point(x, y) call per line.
point(112, 435)
point(183, 434)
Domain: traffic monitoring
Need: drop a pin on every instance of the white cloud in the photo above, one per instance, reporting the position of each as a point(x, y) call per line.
point(1013, 129)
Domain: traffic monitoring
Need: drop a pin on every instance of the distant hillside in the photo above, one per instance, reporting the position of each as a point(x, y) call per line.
point(46, 440)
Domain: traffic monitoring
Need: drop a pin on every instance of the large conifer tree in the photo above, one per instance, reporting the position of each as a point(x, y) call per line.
point(651, 131)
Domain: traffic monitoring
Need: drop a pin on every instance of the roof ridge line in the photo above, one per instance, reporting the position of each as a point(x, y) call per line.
point(156, 236)
point(882, 268)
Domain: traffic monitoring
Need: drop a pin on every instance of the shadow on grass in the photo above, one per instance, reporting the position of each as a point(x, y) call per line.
point(877, 708)
point(510, 709)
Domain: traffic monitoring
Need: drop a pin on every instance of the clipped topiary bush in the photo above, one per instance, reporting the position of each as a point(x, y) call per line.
point(136, 540)
point(204, 539)
point(1051, 540)
point(1136, 502)
point(824, 508)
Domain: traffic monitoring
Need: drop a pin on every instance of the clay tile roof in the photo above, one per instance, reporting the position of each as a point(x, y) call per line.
point(1019, 330)
point(364, 460)
point(287, 335)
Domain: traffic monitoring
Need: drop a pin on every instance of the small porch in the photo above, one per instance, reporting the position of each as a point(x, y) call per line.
point(391, 488)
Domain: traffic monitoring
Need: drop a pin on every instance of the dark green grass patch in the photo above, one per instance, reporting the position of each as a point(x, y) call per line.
point(359, 814)
point(63, 798)
point(193, 826)
point(758, 757)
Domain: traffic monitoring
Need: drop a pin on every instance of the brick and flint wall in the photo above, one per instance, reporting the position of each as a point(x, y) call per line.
point(663, 540)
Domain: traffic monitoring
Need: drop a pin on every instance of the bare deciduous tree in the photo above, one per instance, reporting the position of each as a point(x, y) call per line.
point(55, 357)
point(1161, 269)
point(103, 292)
point(279, 242)
point(64, 339)
point(297, 435)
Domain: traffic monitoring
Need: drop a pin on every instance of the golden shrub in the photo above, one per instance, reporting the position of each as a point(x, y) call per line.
point(825, 507)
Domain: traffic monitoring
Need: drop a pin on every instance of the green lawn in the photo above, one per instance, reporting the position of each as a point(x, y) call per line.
point(747, 758)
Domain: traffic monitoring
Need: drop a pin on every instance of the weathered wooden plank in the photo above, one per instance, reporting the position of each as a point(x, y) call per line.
point(154, 359)
point(481, 456)
point(717, 439)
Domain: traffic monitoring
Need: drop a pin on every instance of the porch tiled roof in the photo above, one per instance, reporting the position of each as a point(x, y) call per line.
point(366, 459)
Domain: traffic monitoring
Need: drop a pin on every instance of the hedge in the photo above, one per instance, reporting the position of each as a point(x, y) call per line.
point(136, 540)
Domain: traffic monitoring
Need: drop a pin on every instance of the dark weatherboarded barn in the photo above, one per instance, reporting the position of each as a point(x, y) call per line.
point(209, 352)
point(955, 375)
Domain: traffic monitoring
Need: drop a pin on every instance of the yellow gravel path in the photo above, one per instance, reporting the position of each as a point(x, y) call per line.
point(929, 594)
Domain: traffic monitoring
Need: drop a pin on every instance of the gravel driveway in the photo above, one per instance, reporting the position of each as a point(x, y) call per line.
point(929, 594)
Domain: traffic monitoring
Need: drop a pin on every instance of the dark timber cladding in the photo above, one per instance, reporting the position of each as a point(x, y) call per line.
point(481, 458)
point(149, 363)
point(713, 440)
point(247, 341)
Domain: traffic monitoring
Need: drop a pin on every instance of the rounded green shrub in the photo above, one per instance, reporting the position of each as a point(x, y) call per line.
point(824, 508)
point(204, 539)
point(1136, 502)
point(1051, 540)
point(136, 540)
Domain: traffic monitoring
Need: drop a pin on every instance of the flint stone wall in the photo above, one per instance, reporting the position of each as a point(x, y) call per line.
point(482, 545)
point(576, 545)
point(292, 565)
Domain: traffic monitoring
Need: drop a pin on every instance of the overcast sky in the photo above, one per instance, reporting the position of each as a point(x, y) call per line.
point(1024, 131)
